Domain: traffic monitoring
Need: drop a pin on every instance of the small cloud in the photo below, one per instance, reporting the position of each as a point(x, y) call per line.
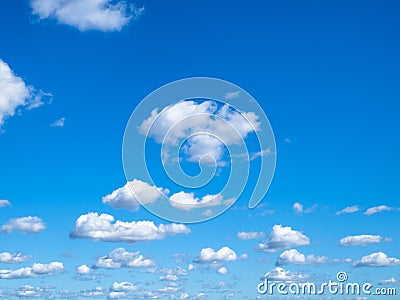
point(25, 225)
point(298, 208)
point(348, 210)
point(250, 235)
point(15, 258)
point(83, 270)
point(105, 15)
point(293, 256)
point(283, 238)
point(377, 259)
point(287, 141)
point(280, 274)
point(59, 123)
point(222, 271)
point(260, 154)
point(377, 209)
point(4, 203)
point(360, 240)
point(209, 255)
point(232, 95)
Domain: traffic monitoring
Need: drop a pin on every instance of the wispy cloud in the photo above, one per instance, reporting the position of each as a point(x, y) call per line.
point(377, 209)
point(102, 15)
point(348, 210)
point(231, 95)
point(250, 235)
point(4, 203)
point(59, 123)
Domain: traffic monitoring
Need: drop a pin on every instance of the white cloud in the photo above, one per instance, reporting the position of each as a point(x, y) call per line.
point(185, 118)
point(29, 272)
point(47, 268)
point(119, 258)
point(377, 209)
point(377, 259)
point(348, 210)
point(102, 15)
point(124, 287)
point(293, 256)
point(104, 228)
point(188, 201)
point(14, 258)
point(283, 238)
point(297, 207)
point(209, 255)
point(24, 224)
point(83, 270)
point(127, 196)
point(16, 94)
point(59, 123)
point(250, 235)
point(231, 95)
point(280, 274)
point(360, 240)
point(390, 281)
point(4, 203)
point(222, 270)
point(261, 153)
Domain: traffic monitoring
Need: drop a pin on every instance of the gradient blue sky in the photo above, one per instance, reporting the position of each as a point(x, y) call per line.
point(325, 72)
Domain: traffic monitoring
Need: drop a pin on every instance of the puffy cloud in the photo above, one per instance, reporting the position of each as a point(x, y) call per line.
point(102, 15)
point(360, 240)
point(32, 292)
point(83, 270)
point(185, 118)
point(17, 274)
point(16, 94)
point(293, 256)
point(29, 272)
point(250, 235)
point(283, 238)
point(222, 271)
point(377, 259)
point(124, 287)
point(298, 207)
point(97, 292)
point(127, 196)
point(59, 123)
point(24, 224)
point(47, 268)
point(280, 274)
point(209, 255)
point(377, 209)
point(119, 258)
point(4, 203)
point(348, 210)
point(104, 228)
point(15, 258)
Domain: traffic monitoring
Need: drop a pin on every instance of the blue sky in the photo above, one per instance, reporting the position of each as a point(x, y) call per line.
point(71, 74)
